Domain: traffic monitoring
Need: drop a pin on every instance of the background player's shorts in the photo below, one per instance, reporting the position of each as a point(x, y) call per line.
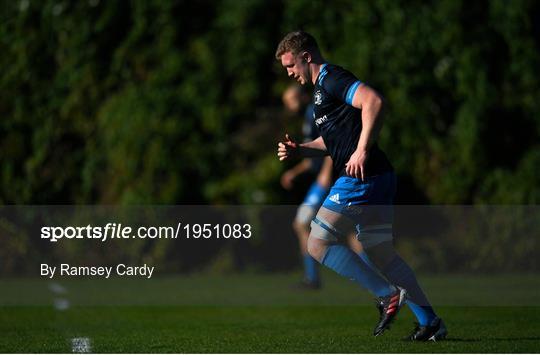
point(313, 201)
point(368, 204)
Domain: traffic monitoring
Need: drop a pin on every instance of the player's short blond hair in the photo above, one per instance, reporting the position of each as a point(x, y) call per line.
point(296, 42)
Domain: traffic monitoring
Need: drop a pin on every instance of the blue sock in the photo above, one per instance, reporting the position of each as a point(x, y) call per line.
point(346, 263)
point(364, 257)
point(424, 314)
point(311, 269)
point(400, 274)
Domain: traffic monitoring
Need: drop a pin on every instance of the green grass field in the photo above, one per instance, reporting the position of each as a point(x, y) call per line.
point(249, 313)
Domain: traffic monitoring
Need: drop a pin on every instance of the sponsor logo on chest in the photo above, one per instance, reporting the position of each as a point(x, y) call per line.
point(319, 121)
point(317, 97)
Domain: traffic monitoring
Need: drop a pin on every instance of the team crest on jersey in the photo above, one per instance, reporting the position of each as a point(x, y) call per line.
point(318, 97)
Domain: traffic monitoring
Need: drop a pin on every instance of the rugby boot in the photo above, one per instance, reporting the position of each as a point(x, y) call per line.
point(389, 307)
point(433, 332)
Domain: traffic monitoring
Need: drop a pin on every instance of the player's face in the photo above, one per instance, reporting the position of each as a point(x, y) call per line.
point(292, 100)
point(297, 67)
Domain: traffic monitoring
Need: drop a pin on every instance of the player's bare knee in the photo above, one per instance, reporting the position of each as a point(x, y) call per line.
point(304, 215)
point(300, 226)
point(316, 247)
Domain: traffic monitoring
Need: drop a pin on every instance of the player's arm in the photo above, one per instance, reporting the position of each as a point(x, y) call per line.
point(325, 174)
point(290, 148)
point(371, 104)
point(301, 167)
point(315, 148)
point(288, 177)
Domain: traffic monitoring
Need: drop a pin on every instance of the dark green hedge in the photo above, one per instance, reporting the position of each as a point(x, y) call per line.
point(169, 101)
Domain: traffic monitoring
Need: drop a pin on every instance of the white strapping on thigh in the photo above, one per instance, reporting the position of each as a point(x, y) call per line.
point(322, 229)
point(373, 235)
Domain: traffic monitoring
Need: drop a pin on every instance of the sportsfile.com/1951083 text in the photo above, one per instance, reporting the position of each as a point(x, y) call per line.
point(120, 231)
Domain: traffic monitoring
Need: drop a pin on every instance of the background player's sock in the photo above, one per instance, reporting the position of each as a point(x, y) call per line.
point(346, 263)
point(311, 269)
point(400, 274)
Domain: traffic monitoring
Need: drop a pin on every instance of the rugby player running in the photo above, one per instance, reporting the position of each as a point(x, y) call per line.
point(348, 116)
point(295, 100)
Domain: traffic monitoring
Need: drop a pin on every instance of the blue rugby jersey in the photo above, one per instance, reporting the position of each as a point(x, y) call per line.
point(310, 132)
point(339, 123)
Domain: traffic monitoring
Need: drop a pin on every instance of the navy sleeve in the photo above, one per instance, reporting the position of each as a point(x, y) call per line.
point(309, 123)
point(341, 84)
point(310, 118)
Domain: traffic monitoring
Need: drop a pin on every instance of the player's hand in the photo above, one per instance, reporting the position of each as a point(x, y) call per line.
point(355, 167)
point(287, 179)
point(287, 149)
